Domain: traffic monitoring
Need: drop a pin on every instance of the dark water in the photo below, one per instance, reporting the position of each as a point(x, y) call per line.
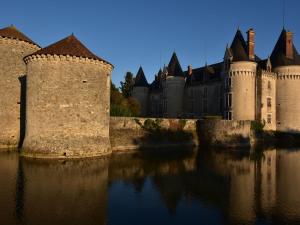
point(204, 187)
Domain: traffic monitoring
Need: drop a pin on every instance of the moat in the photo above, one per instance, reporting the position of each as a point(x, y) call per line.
point(185, 187)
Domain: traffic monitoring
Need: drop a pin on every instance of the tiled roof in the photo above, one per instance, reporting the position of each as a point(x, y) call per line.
point(14, 33)
point(174, 68)
point(69, 46)
point(278, 57)
point(140, 79)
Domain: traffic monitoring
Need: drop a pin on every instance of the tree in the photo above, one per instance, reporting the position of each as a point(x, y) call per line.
point(127, 85)
point(121, 106)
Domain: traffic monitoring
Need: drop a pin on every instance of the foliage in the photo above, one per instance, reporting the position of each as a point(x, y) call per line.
point(182, 123)
point(120, 106)
point(127, 85)
point(257, 126)
point(152, 125)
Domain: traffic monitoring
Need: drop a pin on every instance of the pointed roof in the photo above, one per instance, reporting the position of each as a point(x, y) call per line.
point(174, 68)
point(140, 79)
point(69, 46)
point(239, 48)
point(14, 33)
point(278, 57)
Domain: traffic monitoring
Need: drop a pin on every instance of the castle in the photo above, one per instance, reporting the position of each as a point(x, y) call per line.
point(58, 94)
point(241, 87)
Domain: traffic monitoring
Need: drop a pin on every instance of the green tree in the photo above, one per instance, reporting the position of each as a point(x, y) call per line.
point(127, 85)
point(121, 106)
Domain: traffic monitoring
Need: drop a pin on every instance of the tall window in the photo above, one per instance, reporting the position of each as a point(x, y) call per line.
point(204, 106)
point(269, 118)
point(269, 102)
point(228, 115)
point(205, 92)
point(229, 100)
point(269, 85)
point(229, 82)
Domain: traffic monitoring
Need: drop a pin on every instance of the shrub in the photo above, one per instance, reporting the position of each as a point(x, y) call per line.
point(257, 126)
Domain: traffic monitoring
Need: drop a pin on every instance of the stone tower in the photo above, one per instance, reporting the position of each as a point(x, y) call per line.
point(174, 89)
point(68, 89)
point(286, 63)
point(240, 78)
point(14, 45)
point(141, 91)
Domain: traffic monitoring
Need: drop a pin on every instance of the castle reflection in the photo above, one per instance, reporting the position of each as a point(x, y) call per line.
point(237, 187)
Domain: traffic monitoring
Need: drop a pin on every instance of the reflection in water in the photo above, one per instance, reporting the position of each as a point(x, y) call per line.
point(208, 187)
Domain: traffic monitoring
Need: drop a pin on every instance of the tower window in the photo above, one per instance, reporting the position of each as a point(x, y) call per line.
point(204, 106)
point(229, 100)
point(269, 85)
point(269, 118)
point(269, 103)
point(228, 115)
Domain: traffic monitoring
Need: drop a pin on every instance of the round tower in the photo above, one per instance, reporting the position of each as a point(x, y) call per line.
point(240, 78)
point(174, 89)
point(140, 91)
point(14, 46)
point(240, 98)
point(68, 89)
point(286, 63)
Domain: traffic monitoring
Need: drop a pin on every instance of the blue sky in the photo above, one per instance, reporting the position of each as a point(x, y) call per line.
point(142, 32)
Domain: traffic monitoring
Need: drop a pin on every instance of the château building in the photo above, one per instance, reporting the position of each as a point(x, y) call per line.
point(241, 87)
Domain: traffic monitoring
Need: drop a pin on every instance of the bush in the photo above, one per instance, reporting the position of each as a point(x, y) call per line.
point(258, 126)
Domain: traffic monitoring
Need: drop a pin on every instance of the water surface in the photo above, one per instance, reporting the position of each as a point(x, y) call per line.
point(185, 187)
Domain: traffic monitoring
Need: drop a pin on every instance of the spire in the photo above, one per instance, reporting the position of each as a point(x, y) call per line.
point(239, 47)
point(284, 52)
point(140, 79)
point(174, 68)
point(69, 46)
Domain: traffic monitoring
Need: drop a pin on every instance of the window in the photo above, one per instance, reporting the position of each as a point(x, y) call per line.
point(269, 103)
point(229, 100)
point(205, 92)
point(269, 85)
point(229, 82)
point(269, 118)
point(204, 106)
point(221, 104)
point(228, 115)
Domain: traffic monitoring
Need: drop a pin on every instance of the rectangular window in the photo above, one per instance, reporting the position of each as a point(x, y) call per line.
point(229, 82)
point(269, 118)
point(205, 92)
point(269, 102)
point(228, 115)
point(269, 85)
point(229, 100)
point(205, 106)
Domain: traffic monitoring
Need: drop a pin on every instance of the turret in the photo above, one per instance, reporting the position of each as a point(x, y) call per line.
point(14, 45)
point(174, 89)
point(285, 62)
point(141, 91)
point(68, 89)
point(239, 78)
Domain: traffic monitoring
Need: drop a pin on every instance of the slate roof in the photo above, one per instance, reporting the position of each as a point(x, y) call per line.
point(208, 73)
point(278, 57)
point(155, 85)
point(140, 79)
point(14, 33)
point(69, 46)
point(239, 49)
point(174, 68)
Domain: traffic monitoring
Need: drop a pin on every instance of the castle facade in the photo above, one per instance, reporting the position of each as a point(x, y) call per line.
point(241, 87)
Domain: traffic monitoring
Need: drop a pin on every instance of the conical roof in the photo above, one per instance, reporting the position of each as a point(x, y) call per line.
point(69, 46)
point(239, 48)
point(140, 79)
point(278, 57)
point(174, 68)
point(14, 33)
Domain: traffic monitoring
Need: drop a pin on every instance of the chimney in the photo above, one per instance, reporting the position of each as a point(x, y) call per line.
point(289, 50)
point(190, 70)
point(251, 43)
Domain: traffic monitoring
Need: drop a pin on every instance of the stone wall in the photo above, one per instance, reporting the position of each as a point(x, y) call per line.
point(226, 133)
point(127, 133)
point(12, 72)
point(67, 107)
